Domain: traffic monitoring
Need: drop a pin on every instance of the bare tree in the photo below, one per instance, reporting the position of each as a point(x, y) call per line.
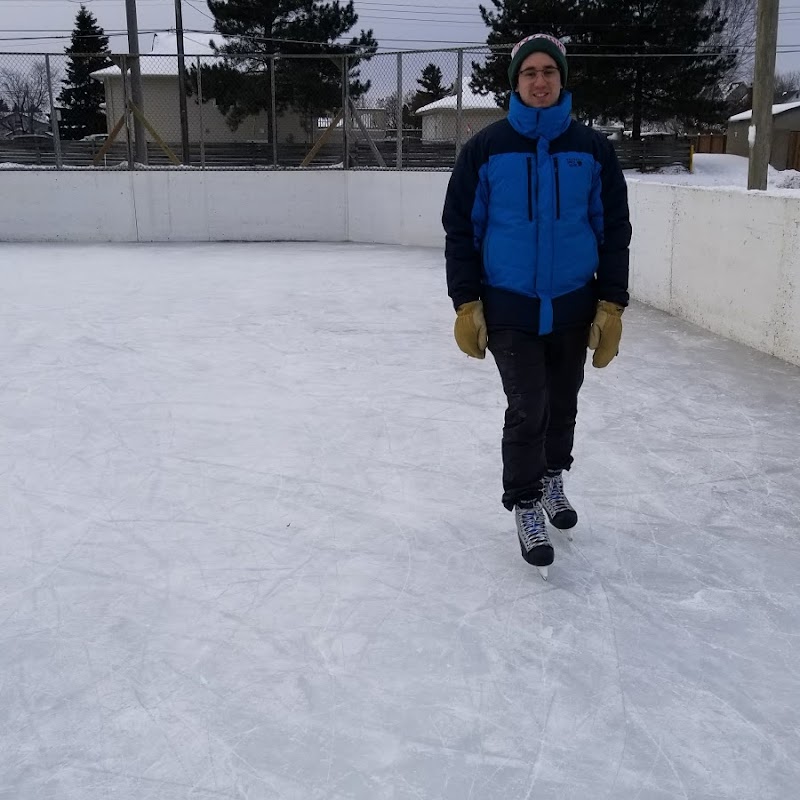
point(26, 95)
point(389, 103)
point(787, 86)
point(739, 35)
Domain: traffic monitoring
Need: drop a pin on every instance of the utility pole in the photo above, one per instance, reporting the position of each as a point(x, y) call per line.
point(760, 137)
point(182, 84)
point(137, 96)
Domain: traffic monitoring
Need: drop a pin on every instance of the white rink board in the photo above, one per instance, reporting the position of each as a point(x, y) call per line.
point(725, 259)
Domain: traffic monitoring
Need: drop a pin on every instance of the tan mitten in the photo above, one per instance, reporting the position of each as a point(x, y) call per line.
point(605, 333)
point(470, 329)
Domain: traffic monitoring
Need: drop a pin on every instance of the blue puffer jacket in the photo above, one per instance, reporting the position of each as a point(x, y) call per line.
point(537, 223)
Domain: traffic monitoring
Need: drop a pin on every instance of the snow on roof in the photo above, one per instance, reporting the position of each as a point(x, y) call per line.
point(776, 109)
point(162, 59)
point(469, 100)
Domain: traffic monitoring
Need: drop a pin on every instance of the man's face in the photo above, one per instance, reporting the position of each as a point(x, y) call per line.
point(539, 81)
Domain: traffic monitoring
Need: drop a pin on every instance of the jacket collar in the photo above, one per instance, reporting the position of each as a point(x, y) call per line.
point(545, 123)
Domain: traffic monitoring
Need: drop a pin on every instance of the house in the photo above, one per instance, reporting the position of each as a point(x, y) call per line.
point(373, 119)
point(161, 100)
point(439, 118)
point(785, 135)
point(738, 95)
point(13, 123)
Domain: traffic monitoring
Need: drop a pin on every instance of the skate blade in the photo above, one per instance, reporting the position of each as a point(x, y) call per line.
point(543, 572)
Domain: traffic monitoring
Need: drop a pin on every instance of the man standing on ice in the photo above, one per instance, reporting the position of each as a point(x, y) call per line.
point(538, 232)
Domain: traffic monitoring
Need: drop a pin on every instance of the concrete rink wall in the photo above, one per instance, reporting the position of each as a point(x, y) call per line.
point(724, 259)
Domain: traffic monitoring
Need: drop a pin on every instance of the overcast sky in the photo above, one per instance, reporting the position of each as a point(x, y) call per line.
point(397, 25)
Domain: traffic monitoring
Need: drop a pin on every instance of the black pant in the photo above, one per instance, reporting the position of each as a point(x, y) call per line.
point(541, 376)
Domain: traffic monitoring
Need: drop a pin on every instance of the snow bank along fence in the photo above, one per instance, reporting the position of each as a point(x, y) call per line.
point(258, 111)
point(727, 260)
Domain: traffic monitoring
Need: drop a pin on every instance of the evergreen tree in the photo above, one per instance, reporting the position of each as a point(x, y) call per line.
point(667, 67)
point(431, 87)
point(82, 96)
point(512, 20)
point(635, 60)
point(255, 30)
point(430, 82)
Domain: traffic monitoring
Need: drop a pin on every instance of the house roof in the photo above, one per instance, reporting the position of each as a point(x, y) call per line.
point(780, 108)
point(469, 100)
point(162, 59)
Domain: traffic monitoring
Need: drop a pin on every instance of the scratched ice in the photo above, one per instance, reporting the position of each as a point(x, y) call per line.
point(252, 545)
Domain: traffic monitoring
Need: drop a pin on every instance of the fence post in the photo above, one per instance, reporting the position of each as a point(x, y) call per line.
point(183, 111)
point(200, 114)
point(53, 114)
point(274, 112)
point(123, 63)
point(346, 112)
point(399, 112)
point(137, 94)
point(459, 100)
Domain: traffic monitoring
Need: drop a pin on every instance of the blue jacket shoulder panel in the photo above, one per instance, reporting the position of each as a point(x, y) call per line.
point(537, 219)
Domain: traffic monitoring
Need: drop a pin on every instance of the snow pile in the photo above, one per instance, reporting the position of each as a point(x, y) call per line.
point(778, 108)
point(790, 179)
point(716, 170)
point(11, 165)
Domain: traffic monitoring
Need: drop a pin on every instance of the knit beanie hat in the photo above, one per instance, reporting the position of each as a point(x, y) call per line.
point(538, 43)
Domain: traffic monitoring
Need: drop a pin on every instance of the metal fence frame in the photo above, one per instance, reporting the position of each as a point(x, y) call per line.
point(357, 149)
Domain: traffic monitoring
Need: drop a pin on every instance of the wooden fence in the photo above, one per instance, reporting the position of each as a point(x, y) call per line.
point(711, 143)
point(646, 155)
point(649, 155)
point(793, 162)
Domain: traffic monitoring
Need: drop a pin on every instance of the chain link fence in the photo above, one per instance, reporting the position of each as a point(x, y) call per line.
point(392, 111)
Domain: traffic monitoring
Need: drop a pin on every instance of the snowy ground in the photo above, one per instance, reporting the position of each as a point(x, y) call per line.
point(722, 170)
point(710, 169)
point(253, 546)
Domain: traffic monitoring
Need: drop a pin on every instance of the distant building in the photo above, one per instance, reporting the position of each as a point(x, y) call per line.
point(738, 95)
point(439, 118)
point(373, 119)
point(161, 100)
point(14, 123)
point(785, 152)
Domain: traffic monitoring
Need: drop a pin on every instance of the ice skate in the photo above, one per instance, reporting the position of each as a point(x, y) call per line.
point(555, 504)
point(532, 533)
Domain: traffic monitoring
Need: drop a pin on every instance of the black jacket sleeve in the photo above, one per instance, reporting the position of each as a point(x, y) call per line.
point(462, 254)
point(614, 250)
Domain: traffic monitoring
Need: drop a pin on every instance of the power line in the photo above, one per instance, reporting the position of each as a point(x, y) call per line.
point(407, 5)
point(115, 32)
point(200, 11)
point(64, 36)
point(708, 53)
point(649, 49)
point(412, 14)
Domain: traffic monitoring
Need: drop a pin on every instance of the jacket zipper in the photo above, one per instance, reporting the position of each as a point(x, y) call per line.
point(530, 190)
point(538, 263)
point(558, 190)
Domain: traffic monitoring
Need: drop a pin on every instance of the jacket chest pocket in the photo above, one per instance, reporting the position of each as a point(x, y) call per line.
point(572, 184)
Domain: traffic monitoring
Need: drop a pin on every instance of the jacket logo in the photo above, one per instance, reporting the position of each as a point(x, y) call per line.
point(575, 162)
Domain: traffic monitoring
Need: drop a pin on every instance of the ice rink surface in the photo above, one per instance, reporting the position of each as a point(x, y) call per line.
point(252, 545)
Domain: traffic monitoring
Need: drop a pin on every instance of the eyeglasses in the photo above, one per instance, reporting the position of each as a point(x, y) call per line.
point(549, 73)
